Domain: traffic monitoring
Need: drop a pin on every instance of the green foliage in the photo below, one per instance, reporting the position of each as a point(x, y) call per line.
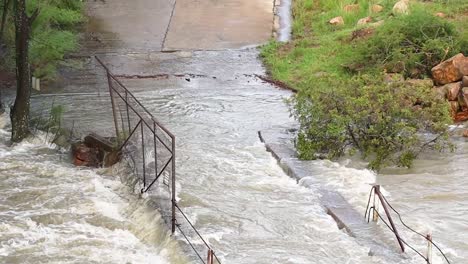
point(54, 33)
point(411, 44)
point(380, 120)
point(52, 122)
point(343, 104)
point(47, 50)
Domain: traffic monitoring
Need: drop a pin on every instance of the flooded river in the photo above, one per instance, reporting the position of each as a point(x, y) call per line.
point(233, 190)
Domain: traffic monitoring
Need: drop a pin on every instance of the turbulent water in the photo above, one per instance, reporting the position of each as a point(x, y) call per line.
point(247, 208)
point(53, 212)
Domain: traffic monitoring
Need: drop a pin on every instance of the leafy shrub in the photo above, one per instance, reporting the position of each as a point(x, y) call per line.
point(410, 44)
point(382, 121)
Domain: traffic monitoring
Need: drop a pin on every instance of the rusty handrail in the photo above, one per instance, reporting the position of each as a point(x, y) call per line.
point(145, 120)
point(385, 204)
point(150, 122)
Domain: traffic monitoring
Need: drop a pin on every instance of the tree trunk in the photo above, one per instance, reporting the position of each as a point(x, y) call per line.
point(20, 112)
point(6, 4)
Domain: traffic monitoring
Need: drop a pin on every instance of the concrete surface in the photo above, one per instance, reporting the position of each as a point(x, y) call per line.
point(219, 24)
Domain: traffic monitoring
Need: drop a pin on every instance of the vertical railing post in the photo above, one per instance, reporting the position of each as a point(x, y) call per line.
point(143, 152)
point(155, 150)
point(375, 211)
point(377, 191)
point(429, 248)
point(173, 185)
point(116, 124)
point(210, 256)
point(128, 113)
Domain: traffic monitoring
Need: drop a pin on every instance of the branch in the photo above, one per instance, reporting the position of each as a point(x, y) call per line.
point(33, 16)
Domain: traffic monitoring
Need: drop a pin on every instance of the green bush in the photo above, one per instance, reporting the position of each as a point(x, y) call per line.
point(410, 44)
point(382, 121)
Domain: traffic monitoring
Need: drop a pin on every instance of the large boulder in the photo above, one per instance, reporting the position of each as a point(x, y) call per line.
point(464, 95)
point(453, 89)
point(451, 70)
point(465, 81)
point(85, 156)
point(440, 92)
point(95, 151)
point(454, 107)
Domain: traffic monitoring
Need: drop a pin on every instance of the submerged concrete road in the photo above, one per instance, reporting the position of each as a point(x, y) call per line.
point(184, 61)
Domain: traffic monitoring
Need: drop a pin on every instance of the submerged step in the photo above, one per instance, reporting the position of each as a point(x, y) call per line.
point(279, 142)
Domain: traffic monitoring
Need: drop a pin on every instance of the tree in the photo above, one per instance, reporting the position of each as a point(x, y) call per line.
point(20, 112)
point(6, 4)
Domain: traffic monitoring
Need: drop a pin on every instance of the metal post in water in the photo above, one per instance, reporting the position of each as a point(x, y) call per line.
point(384, 205)
point(143, 152)
point(210, 256)
point(375, 211)
point(173, 186)
point(116, 124)
point(429, 248)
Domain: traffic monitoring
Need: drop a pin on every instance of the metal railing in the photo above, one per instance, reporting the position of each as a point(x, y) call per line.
point(135, 126)
point(377, 199)
point(150, 149)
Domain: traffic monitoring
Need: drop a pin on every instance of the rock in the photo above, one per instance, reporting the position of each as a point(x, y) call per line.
point(362, 33)
point(451, 70)
point(465, 133)
point(465, 81)
point(351, 8)
point(337, 21)
point(440, 14)
point(461, 116)
point(95, 141)
point(464, 94)
point(453, 89)
point(454, 107)
point(440, 92)
point(462, 102)
point(376, 8)
point(111, 158)
point(108, 153)
point(401, 7)
point(85, 156)
point(95, 151)
point(364, 21)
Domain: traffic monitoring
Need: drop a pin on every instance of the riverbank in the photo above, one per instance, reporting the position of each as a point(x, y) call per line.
point(319, 51)
point(361, 68)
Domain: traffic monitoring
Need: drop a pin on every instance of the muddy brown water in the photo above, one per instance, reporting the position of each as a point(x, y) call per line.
point(248, 209)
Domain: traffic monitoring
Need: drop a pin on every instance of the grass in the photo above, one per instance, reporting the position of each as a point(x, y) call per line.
point(319, 49)
point(345, 103)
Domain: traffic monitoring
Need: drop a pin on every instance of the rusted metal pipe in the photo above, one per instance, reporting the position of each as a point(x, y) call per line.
point(173, 186)
point(384, 205)
point(116, 124)
point(429, 249)
point(210, 256)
